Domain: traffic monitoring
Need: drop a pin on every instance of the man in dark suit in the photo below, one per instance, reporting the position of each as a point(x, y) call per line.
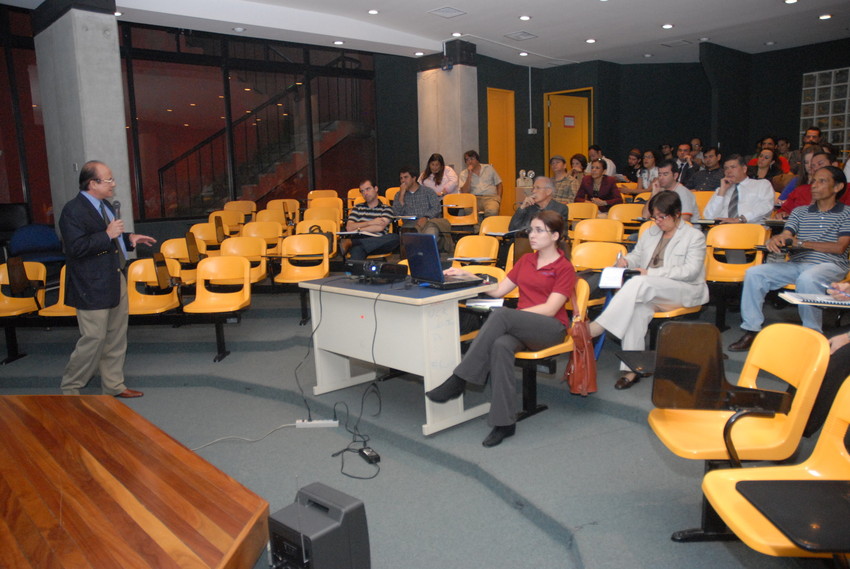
point(96, 252)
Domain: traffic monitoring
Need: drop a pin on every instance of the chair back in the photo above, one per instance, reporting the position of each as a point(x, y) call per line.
point(251, 248)
point(214, 298)
point(231, 219)
point(290, 207)
point(596, 255)
point(269, 231)
point(330, 213)
point(702, 199)
point(582, 210)
point(722, 240)
point(313, 263)
point(334, 203)
point(353, 194)
point(326, 226)
point(145, 293)
point(247, 207)
point(481, 246)
point(626, 213)
point(830, 456)
point(60, 308)
point(464, 202)
point(313, 194)
point(391, 193)
point(495, 224)
point(17, 294)
point(209, 235)
point(609, 230)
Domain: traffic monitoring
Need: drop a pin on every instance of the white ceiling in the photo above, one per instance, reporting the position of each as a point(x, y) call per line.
point(624, 30)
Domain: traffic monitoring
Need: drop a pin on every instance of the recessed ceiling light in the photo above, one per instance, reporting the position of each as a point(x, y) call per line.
point(193, 104)
point(590, 40)
point(299, 83)
point(770, 43)
point(647, 55)
point(419, 54)
point(185, 124)
point(221, 96)
point(525, 18)
point(280, 104)
point(790, 1)
point(667, 26)
point(373, 12)
point(704, 39)
point(118, 14)
point(169, 110)
point(825, 16)
point(239, 29)
point(456, 34)
point(523, 54)
point(339, 42)
point(221, 117)
point(246, 89)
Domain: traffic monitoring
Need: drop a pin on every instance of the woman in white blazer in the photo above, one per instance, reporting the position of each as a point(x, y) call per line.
point(670, 257)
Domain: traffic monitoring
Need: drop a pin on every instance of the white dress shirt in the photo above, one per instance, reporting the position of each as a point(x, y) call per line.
point(755, 201)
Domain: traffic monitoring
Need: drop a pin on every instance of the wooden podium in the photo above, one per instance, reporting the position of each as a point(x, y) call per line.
point(86, 482)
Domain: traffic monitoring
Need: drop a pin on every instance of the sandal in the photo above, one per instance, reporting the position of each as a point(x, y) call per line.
point(627, 380)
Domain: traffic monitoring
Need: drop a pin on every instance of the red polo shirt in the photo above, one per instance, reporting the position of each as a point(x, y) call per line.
point(535, 285)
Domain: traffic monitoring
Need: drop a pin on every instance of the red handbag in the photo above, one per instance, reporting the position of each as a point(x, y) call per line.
point(581, 369)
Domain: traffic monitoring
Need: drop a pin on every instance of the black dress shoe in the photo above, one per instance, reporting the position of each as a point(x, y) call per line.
point(626, 381)
point(498, 434)
point(450, 389)
point(744, 342)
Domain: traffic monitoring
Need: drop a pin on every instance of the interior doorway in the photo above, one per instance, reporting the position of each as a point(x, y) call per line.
point(501, 142)
point(569, 123)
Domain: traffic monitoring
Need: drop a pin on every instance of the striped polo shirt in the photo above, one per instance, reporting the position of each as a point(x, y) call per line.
point(362, 212)
point(807, 223)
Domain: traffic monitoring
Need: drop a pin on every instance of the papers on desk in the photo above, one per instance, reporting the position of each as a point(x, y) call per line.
point(813, 299)
point(611, 277)
point(704, 221)
point(358, 233)
point(484, 304)
point(472, 259)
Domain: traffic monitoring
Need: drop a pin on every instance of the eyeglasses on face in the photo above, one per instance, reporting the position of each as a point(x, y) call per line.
point(660, 217)
point(104, 180)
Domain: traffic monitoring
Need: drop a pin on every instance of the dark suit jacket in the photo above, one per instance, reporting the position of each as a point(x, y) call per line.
point(608, 192)
point(92, 273)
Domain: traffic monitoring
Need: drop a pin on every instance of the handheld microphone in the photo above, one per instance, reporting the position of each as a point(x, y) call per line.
point(116, 205)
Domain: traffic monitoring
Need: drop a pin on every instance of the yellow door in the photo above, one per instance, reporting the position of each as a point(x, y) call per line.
point(567, 126)
point(501, 142)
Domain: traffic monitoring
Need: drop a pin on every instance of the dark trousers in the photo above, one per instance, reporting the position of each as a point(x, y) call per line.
point(505, 333)
point(365, 246)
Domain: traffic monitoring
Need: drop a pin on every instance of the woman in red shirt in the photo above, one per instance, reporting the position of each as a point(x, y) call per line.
point(546, 279)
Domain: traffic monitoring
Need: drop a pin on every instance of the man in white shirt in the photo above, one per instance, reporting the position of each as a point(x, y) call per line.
point(594, 153)
point(739, 199)
point(482, 181)
point(666, 180)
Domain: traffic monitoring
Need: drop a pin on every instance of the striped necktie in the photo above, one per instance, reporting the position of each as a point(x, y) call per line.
point(733, 202)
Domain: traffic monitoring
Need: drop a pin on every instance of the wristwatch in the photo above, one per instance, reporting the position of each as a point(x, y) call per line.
point(742, 218)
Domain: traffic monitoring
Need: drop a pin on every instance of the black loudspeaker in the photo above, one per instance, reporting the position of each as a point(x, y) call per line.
point(323, 529)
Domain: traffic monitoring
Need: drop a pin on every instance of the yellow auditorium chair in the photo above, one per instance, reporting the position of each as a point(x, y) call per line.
point(60, 308)
point(251, 248)
point(476, 249)
point(146, 292)
point(304, 257)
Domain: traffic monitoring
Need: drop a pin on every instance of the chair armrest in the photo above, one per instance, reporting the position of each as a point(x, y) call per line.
point(727, 431)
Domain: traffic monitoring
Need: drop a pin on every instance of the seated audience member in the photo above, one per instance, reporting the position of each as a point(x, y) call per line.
point(540, 199)
point(666, 181)
point(566, 183)
point(739, 199)
point(546, 279)
point(670, 257)
point(665, 152)
point(769, 142)
point(812, 136)
point(765, 167)
point(418, 201)
point(803, 194)
point(649, 171)
point(594, 152)
point(685, 164)
point(373, 216)
point(482, 181)
point(783, 148)
point(822, 230)
point(632, 167)
point(697, 154)
point(708, 179)
point(439, 177)
point(599, 188)
point(803, 174)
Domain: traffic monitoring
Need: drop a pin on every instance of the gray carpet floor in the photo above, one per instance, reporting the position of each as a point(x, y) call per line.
point(584, 484)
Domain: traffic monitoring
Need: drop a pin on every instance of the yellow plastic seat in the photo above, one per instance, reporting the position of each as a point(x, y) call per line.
point(578, 211)
point(334, 203)
point(829, 461)
point(643, 196)
point(269, 231)
point(702, 199)
point(232, 220)
point(304, 258)
point(724, 278)
point(211, 298)
point(529, 361)
point(699, 434)
point(14, 305)
point(312, 213)
point(290, 207)
point(391, 193)
point(177, 249)
point(325, 226)
point(251, 248)
point(464, 202)
point(313, 194)
point(495, 224)
point(609, 230)
point(353, 194)
point(248, 208)
point(627, 213)
point(480, 247)
point(60, 308)
point(144, 296)
point(210, 235)
point(595, 256)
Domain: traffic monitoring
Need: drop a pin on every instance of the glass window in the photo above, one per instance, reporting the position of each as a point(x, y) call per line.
point(11, 185)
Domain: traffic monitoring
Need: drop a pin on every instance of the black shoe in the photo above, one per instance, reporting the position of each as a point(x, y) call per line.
point(627, 380)
point(450, 389)
point(498, 434)
point(744, 342)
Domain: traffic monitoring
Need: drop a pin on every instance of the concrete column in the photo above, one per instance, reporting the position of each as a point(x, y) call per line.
point(82, 95)
point(447, 93)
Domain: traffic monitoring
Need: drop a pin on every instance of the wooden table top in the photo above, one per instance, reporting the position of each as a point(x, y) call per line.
point(86, 482)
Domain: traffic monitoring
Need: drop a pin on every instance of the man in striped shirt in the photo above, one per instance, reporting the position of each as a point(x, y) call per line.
point(373, 216)
point(822, 230)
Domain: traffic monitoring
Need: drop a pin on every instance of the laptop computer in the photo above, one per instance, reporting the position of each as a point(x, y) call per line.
point(423, 258)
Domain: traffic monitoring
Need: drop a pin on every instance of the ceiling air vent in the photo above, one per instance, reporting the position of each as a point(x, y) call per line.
point(520, 36)
point(680, 43)
point(447, 12)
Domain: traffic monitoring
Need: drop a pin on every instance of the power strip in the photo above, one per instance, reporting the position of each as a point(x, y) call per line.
point(316, 424)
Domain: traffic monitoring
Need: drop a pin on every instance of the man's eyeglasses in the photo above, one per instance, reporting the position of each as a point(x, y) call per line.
point(104, 180)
